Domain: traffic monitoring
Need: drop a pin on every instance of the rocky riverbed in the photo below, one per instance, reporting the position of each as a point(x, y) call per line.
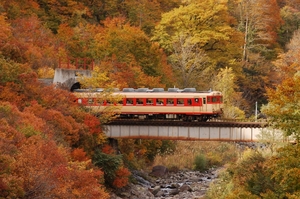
point(162, 184)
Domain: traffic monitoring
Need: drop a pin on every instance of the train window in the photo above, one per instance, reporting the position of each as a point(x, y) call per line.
point(139, 101)
point(90, 101)
point(120, 102)
point(197, 101)
point(129, 101)
point(149, 101)
point(170, 102)
point(214, 99)
point(109, 102)
point(204, 100)
point(180, 102)
point(208, 100)
point(189, 102)
point(160, 102)
point(100, 101)
point(112, 101)
point(79, 101)
point(221, 99)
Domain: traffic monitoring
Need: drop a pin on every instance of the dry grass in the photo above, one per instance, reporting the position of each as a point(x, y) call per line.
point(216, 153)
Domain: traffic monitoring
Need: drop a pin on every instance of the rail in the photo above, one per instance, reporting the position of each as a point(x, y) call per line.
point(213, 123)
point(76, 63)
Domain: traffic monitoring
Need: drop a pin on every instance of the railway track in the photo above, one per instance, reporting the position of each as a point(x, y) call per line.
point(188, 124)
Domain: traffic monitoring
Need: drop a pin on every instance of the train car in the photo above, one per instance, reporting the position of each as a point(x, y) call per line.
point(143, 103)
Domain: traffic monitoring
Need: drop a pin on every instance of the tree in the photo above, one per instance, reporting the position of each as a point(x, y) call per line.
point(112, 165)
point(291, 17)
point(139, 153)
point(19, 8)
point(77, 41)
point(11, 185)
point(101, 80)
point(204, 26)
point(258, 21)
point(45, 172)
point(34, 166)
point(284, 168)
point(29, 42)
point(291, 3)
point(5, 31)
point(188, 62)
point(283, 106)
point(144, 14)
point(283, 101)
point(287, 63)
point(257, 175)
point(130, 51)
point(10, 71)
point(226, 82)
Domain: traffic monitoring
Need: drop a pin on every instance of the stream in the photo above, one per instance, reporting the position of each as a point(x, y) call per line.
point(169, 185)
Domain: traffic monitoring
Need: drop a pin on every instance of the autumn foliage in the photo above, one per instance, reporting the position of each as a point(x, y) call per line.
point(39, 126)
point(50, 148)
point(78, 154)
point(121, 179)
point(107, 149)
point(34, 165)
point(115, 173)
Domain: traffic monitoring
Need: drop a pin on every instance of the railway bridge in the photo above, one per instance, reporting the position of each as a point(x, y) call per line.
point(178, 130)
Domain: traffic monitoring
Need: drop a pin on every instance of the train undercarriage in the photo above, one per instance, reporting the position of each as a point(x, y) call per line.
point(179, 117)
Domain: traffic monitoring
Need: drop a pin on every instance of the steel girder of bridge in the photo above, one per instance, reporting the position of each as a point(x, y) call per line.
point(205, 133)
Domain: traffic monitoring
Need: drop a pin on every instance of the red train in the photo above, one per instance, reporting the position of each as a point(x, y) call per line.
point(186, 104)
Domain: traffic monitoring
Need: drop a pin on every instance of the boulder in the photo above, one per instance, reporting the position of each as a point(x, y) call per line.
point(159, 171)
point(185, 187)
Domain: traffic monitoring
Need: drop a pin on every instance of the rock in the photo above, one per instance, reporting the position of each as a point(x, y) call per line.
point(159, 171)
point(125, 194)
point(114, 196)
point(174, 192)
point(159, 194)
point(174, 185)
point(141, 178)
point(180, 185)
point(155, 190)
point(185, 187)
point(194, 179)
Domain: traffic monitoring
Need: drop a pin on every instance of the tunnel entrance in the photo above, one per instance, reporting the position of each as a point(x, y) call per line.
point(75, 86)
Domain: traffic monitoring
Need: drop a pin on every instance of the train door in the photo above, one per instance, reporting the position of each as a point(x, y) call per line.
point(204, 104)
point(213, 101)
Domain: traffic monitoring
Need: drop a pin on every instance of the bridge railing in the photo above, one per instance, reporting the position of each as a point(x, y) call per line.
point(76, 63)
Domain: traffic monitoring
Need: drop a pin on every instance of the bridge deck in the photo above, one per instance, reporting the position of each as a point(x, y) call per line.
point(171, 130)
point(182, 123)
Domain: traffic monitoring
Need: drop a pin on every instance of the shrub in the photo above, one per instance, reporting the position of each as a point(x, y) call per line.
point(200, 162)
point(115, 174)
point(109, 165)
point(122, 175)
point(79, 154)
point(214, 159)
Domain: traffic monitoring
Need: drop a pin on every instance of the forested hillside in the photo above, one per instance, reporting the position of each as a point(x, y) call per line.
point(49, 148)
point(156, 43)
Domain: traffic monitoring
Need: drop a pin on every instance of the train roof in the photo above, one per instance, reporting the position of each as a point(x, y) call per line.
point(147, 90)
point(155, 92)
